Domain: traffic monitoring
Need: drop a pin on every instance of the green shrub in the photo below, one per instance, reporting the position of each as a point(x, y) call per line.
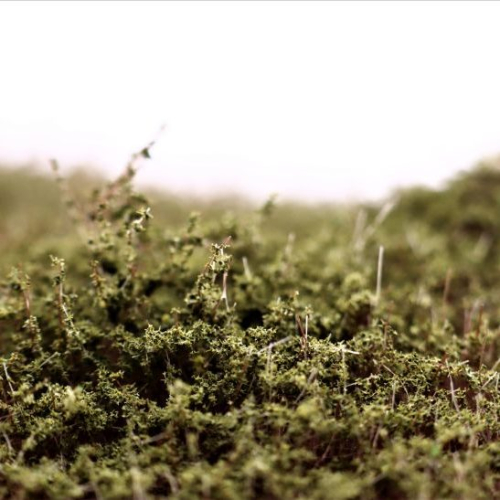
point(151, 352)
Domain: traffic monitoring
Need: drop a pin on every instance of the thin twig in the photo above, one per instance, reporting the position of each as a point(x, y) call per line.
point(246, 267)
point(379, 273)
point(303, 334)
point(7, 377)
point(452, 390)
point(274, 344)
point(446, 290)
point(393, 394)
point(49, 358)
point(7, 440)
point(310, 380)
point(224, 290)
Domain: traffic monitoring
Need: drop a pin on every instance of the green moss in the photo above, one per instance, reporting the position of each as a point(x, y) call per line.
point(150, 353)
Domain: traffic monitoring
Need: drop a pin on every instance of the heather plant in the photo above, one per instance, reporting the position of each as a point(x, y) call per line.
point(158, 348)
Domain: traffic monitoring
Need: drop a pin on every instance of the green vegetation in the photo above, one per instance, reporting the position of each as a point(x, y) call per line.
point(151, 352)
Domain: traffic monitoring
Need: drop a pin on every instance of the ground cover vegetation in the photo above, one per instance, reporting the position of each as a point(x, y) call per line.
point(173, 348)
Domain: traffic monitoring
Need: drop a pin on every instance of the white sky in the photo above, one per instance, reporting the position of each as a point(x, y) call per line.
point(321, 100)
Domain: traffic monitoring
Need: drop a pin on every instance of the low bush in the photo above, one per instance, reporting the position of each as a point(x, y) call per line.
point(288, 351)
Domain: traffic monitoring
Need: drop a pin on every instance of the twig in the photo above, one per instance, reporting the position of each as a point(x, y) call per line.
point(246, 267)
point(137, 489)
point(343, 350)
point(269, 350)
point(453, 397)
point(359, 225)
point(489, 380)
point(493, 368)
point(370, 230)
point(7, 377)
point(386, 328)
point(379, 273)
point(7, 440)
point(224, 290)
point(310, 380)
point(452, 390)
point(274, 344)
point(393, 394)
point(49, 358)
point(174, 486)
point(303, 334)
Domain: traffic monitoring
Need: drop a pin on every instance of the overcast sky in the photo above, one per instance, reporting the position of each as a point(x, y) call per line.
point(321, 100)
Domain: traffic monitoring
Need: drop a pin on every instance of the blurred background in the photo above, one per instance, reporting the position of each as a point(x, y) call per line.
point(317, 101)
point(376, 123)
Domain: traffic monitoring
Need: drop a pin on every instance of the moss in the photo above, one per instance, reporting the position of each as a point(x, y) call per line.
point(150, 353)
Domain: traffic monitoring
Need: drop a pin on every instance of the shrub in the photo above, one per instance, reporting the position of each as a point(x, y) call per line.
point(245, 354)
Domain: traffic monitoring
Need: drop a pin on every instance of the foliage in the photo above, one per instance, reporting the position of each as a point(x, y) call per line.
point(150, 352)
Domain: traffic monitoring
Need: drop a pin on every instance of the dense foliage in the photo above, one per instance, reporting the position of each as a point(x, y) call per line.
point(315, 352)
